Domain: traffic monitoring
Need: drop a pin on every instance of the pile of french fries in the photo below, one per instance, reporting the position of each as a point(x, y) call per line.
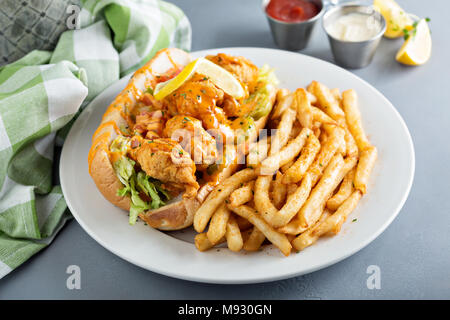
point(300, 183)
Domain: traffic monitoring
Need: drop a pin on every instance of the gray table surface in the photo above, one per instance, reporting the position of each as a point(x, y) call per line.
point(413, 253)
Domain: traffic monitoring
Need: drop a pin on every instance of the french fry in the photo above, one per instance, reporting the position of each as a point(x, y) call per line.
point(327, 102)
point(295, 226)
point(233, 235)
point(283, 131)
point(254, 241)
point(296, 128)
point(331, 224)
point(286, 166)
point(311, 97)
point(307, 238)
point(296, 172)
point(262, 200)
point(293, 204)
point(350, 163)
point(320, 116)
point(242, 195)
point(364, 168)
point(328, 130)
point(218, 225)
point(278, 191)
point(350, 143)
point(327, 152)
point(334, 223)
point(202, 242)
point(353, 118)
point(258, 151)
point(271, 164)
point(345, 190)
point(319, 148)
point(218, 196)
point(278, 239)
point(284, 102)
point(336, 94)
point(332, 176)
point(281, 93)
point(303, 108)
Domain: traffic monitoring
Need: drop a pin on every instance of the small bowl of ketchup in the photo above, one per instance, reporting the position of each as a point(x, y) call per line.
point(292, 21)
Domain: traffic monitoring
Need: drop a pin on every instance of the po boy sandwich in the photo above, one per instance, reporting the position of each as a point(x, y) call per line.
point(178, 128)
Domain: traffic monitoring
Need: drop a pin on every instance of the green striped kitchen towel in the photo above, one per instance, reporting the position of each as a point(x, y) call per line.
point(41, 94)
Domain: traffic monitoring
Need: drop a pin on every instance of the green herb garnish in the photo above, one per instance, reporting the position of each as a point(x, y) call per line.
point(407, 33)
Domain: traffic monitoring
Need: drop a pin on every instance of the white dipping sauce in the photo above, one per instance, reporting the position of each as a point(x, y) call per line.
point(354, 26)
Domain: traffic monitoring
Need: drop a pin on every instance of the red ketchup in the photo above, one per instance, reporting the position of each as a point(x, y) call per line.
point(291, 10)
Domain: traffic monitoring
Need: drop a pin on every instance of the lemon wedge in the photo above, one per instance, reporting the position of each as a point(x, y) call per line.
point(417, 48)
point(218, 75)
point(396, 18)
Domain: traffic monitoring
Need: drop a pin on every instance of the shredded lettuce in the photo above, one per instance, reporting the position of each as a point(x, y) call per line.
point(160, 189)
point(267, 75)
point(149, 189)
point(134, 184)
point(261, 96)
point(124, 168)
point(137, 204)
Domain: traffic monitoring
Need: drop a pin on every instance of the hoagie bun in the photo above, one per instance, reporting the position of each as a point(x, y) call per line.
point(112, 142)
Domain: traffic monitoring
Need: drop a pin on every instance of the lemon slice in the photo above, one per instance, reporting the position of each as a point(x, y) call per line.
point(218, 75)
point(396, 18)
point(417, 48)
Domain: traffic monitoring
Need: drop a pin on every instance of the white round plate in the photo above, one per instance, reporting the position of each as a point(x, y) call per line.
point(174, 254)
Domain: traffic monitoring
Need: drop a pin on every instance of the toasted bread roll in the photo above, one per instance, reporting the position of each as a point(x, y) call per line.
point(169, 217)
point(179, 213)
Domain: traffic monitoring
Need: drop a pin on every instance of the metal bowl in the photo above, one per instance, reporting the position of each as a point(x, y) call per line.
point(353, 54)
point(293, 36)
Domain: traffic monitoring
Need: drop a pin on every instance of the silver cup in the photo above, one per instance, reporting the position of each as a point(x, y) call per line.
point(353, 54)
point(293, 36)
